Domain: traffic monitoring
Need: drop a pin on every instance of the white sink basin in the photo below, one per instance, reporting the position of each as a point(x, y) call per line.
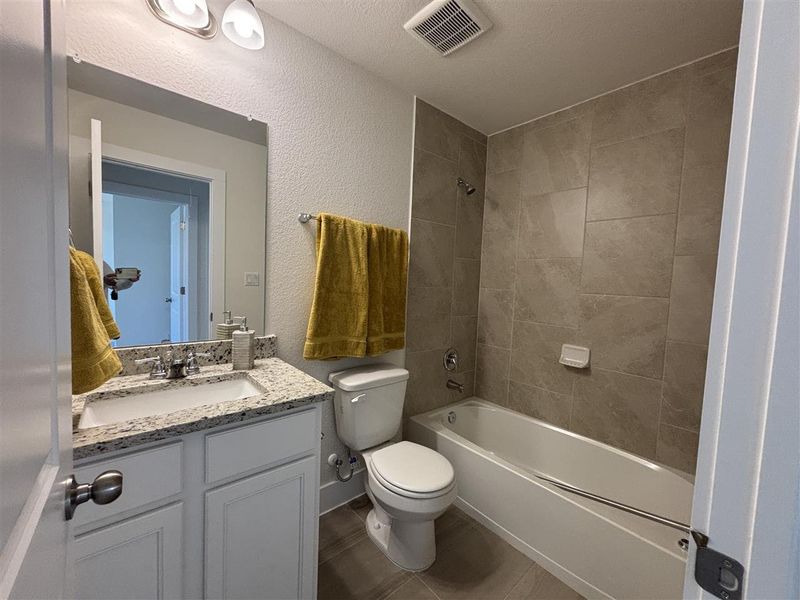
point(164, 401)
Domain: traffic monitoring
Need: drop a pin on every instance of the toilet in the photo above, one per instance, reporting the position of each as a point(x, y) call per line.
point(409, 485)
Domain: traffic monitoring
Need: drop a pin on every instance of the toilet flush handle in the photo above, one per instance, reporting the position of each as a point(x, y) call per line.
point(357, 398)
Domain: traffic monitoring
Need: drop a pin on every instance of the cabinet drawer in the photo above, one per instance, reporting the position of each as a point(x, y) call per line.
point(253, 446)
point(148, 476)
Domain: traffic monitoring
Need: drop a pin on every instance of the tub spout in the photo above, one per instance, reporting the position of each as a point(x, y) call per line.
point(454, 385)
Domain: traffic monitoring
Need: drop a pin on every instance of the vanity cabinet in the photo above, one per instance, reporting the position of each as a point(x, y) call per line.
point(230, 512)
point(140, 557)
point(253, 534)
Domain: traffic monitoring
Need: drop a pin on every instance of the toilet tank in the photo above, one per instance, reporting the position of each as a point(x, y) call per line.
point(368, 404)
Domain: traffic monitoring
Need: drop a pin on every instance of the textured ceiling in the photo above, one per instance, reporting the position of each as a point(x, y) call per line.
point(541, 55)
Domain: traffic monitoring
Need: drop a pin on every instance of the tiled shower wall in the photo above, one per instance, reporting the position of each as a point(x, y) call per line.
point(444, 269)
point(601, 229)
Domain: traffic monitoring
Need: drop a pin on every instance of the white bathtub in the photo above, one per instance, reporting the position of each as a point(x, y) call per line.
point(598, 550)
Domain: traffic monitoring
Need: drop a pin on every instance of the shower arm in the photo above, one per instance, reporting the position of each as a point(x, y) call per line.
point(701, 539)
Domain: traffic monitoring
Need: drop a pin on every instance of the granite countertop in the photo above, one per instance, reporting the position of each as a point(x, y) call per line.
point(284, 387)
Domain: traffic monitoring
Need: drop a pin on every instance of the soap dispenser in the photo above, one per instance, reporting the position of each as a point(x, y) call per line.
point(244, 346)
point(225, 330)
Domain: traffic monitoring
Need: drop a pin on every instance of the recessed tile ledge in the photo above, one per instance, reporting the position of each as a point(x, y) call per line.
point(283, 388)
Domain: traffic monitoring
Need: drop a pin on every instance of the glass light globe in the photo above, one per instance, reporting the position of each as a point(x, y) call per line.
point(188, 13)
point(242, 25)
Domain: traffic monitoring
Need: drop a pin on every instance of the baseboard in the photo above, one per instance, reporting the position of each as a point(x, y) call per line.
point(583, 587)
point(335, 493)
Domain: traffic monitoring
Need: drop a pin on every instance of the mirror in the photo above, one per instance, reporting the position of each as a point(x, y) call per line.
point(168, 194)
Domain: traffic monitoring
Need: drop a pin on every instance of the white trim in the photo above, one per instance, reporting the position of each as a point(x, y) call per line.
point(750, 402)
point(216, 226)
point(336, 493)
point(19, 541)
point(96, 174)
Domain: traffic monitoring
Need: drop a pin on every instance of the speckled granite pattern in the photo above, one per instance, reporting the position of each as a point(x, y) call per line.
point(284, 388)
point(220, 351)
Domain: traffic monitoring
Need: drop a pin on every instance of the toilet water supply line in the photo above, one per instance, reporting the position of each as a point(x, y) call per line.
point(352, 460)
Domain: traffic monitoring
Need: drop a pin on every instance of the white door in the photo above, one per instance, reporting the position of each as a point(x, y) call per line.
point(261, 535)
point(748, 472)
point(35, 421)
point(178, 274)
point(140, 557)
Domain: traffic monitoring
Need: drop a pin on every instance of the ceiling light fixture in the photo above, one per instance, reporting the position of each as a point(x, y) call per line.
point(242, 25)
point(191, 16)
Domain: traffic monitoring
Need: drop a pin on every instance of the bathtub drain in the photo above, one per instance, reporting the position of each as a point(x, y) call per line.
point(451, 417)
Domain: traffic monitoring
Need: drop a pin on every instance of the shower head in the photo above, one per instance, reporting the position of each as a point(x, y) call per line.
point(468, 187)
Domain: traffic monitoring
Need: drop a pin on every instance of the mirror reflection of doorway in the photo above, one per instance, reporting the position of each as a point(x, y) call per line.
point(157, 222)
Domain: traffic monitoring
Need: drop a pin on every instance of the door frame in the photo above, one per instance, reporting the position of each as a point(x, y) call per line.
point(748, 474)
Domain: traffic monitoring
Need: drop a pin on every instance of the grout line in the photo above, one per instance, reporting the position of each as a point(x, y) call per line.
point(436, 154)
point(639, 137)
point(413, 218)
point(659, 214)
point(422, 581)
point(521, 577)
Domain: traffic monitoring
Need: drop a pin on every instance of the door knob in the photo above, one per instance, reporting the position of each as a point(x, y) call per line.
point(105, 488)
point(167, 299)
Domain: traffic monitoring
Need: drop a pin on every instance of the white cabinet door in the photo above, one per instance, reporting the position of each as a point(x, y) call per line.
point(261, 535)
point(138, 558)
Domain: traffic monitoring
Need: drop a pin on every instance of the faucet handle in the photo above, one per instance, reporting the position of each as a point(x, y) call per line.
point(158, 370)
point(192, 365)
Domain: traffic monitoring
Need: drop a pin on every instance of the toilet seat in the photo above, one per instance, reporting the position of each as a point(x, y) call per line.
point(412, 470)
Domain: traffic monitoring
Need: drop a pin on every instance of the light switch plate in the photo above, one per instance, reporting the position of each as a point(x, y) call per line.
point(251, 278)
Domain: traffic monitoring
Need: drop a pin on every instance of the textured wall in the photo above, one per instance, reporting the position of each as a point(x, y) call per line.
point(601, 228)
point(340, 138)
point(444, 270)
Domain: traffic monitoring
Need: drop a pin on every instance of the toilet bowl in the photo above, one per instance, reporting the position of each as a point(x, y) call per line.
point(409, 485)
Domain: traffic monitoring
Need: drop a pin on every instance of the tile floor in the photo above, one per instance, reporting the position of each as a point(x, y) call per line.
point(472, 564)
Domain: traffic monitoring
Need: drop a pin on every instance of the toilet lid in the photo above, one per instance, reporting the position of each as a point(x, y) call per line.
point(412, 467)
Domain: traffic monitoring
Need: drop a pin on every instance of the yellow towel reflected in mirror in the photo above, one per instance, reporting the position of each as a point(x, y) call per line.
point(94, 361)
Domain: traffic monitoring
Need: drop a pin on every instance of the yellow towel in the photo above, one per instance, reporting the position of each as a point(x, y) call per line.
point(337, 325)
point(96, 287)
point(388, 273)
point(93, 359)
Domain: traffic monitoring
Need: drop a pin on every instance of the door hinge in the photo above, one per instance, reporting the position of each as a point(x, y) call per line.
point(183, 226)
point(183, 290)
point(211, 317)
point(717, 573)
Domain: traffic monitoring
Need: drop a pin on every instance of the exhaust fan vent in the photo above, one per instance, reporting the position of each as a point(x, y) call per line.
point(446, 25)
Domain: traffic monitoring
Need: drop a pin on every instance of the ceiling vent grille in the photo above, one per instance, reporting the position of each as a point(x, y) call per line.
point(446, 25)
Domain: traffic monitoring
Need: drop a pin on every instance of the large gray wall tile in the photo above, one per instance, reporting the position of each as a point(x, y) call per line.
point(625, 333)
point(495, 315)
point(498, 265)
point(708, 121)
point(436, 131)
point(428, 318)
point(547, 291)
point(434, 191)
point(556, 158)
point(469, 226)
point(431, 254)
point(618, 409)
point(541, 404)
point(551, 225)
point(504, 151)
point(691, 298)
point(491, 374)
point(684, 379)
point(636, 177)
point(464, 339)
point(652, 105)
point(536, 349)
point(629, 256)
point(677, 448)
point(466, 283)
point(700, 209)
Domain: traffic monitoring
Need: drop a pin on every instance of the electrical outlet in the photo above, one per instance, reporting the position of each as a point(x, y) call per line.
point(251, 278)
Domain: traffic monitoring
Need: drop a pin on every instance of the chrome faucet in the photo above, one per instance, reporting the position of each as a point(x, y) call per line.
point(454, 385)
point(170, 367)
